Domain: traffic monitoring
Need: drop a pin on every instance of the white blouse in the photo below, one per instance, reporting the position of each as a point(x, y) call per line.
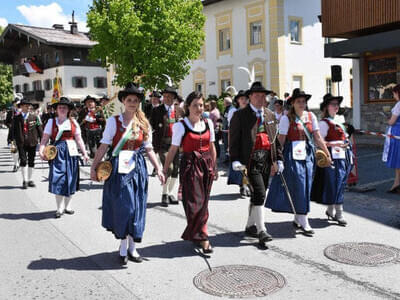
point(66, 125)
point(285, 123)
point(178, 130)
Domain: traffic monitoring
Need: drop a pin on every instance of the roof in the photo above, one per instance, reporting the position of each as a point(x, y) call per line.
point(208, 2)
point(51, 36)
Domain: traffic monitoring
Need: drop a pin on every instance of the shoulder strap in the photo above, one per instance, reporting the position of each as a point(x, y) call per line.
point(306, 131)
point(186, 129)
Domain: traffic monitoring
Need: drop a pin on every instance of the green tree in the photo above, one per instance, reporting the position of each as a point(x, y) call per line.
point(147, 38)
point(6, 87)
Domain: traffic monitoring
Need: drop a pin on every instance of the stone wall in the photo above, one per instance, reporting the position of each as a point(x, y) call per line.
point(372, 118)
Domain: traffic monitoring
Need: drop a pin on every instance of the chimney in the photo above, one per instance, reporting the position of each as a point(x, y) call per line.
point(58, 26)
point(74, 25)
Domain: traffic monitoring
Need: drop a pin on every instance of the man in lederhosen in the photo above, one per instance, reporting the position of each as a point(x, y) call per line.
point(163, 118)
point(92, 122)
point(27, 134)
point(253, 146)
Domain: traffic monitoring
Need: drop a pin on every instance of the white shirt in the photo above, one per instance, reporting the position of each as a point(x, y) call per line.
point(396, 109)
point(111, 130)
point(278, 116)
point(231, 111)
point(256, 110)
point(178, 130)
point(66, 125)
point(285, 123)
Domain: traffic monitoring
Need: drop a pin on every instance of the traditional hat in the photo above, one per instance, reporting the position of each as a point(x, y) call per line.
point(169, 88)
point(130, 89)
point(257, 87)
point(105, 97)
point(88, 97)
point(297, 93)
point(64, 101)
point(328, 98)
point(23, 101)
point(279, 101)
point(155, 94)
point(241, 93)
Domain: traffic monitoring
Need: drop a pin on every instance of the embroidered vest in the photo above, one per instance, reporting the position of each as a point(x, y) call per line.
point(133, 143)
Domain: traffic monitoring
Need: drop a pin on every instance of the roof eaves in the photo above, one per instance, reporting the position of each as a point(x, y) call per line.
point(208, 2)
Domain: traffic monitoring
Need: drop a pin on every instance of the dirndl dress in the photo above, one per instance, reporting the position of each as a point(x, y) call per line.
point(299, 176)
point(125, 199)
point(63, 172)
point(393, 158)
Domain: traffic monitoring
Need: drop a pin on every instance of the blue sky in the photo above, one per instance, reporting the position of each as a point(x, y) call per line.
point(43, 13)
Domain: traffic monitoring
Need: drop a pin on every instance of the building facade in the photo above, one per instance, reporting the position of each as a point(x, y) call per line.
point(372, 30)
point(280, 38)
point(39, 54)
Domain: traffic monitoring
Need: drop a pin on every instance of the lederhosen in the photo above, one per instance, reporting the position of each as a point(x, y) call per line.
point(197, 173)
point(297, 173)
point(64, 168)
point(329, 183)
point(125, 195)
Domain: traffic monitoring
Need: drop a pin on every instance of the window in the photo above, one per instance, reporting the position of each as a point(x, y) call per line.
point(79, 82)
point(295, 25)
point(381, 78)
point(224, 84)
point(47, 84)
point(224, 39)
point(57, 58)
point(297, 82)
point(100, 82)
point(255, 33)
point(17, 88)
point(329, 86)
point(26, 87)
point(46, 60)
point(37, 85)
point(199, 87)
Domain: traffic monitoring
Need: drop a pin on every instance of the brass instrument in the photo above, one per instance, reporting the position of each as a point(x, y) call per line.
point(13, 147)
point(50, 152)
point(103, 170)
point(322, 159)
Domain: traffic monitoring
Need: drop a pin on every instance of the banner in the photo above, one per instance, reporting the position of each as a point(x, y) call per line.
point(56, 90)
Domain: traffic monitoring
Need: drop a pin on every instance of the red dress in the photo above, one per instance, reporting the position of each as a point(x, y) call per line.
point(196, 178)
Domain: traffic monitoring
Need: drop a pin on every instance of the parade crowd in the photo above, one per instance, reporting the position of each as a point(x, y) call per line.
point(278, 153)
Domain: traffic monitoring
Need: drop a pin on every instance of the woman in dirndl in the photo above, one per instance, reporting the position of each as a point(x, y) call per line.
point(393, 157)
point(197, 168)
point(64, 133)
point(330, 182)
point(297, 132)
point(127, 137)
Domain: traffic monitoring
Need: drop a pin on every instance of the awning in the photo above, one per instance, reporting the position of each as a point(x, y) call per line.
point(355, 47)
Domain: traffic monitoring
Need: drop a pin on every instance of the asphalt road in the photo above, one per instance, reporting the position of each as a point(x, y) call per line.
point(75, 258)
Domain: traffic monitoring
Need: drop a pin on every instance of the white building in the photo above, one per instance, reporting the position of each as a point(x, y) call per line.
point(280, 38)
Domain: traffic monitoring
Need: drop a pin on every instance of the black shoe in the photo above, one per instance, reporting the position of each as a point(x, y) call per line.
point(264, 237)
point(301, 228)
point(15, 169)
point(58, 215)
point(251, 231)
point(31, 183)
point(69, 211)
point(123, 260)
point(242, 192)
point(394, 190)
point(136, 259)
point(164, 200)
point(172, 200)
point(341, 222)
point(24, 185)
point(330, 217)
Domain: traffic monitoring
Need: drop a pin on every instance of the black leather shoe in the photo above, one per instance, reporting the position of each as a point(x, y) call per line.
point(15, 169)
point(24, 185)
point(58, 215)
point(341, 222)
point(164, 200)
point(330, 217)
point(31, 183)
point(242, 192)
point(136, 259)
point(69, 211)
point(172, 200)
point(303, 231)
point(123, 260)
point(264, 237)
point(251, 231)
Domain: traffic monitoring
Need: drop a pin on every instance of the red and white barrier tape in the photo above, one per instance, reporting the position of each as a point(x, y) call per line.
point(378, 134)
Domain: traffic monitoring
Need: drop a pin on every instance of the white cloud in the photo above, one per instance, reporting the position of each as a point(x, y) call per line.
point(3, 22)
point(47, 15)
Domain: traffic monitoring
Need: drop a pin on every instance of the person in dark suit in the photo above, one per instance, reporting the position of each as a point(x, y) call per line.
point(155, 100)
point(162, 120)
point(28, 131)
point(14, 111)
point(253, 146)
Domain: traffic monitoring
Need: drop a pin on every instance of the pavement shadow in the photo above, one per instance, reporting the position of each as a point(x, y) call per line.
point(153, 204)
point(231, 240)
point(34, 216)
point(96, 262)
point(88, 187)
point(225, 197)
point(169, 250)
point(10, 187)
point(321, 223)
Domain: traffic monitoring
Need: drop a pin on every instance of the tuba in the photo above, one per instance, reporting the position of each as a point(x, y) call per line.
point(103, 170)
point(50, 152)
point(322, 159)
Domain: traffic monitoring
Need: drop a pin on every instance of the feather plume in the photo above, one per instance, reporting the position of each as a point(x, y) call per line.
point(169, 82)
point(231, 88)
point(252, 74)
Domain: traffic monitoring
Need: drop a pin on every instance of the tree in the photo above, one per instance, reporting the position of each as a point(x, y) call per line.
point(147, 38)
point(6, 87)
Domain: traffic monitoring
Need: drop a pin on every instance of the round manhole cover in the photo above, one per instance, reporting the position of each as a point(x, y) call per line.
point(239, 281)
point(362, 254)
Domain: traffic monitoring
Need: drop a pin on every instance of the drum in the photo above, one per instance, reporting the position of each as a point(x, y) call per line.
point(103, 170)
point(322, 159)
point(50, 152)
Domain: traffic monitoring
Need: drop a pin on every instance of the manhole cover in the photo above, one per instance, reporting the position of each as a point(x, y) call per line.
point(239, 281)
point(362, 254)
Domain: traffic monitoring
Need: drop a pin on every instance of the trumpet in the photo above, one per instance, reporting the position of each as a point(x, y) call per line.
point(103, 170)
point(50, 152)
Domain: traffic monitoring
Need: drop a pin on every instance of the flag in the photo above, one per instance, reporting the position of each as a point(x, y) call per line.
point(56, 90)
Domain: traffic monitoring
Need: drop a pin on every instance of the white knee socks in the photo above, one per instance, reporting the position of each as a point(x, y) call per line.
point(303, 221)
point(15, 158)
point(339, 211)
point(67, 201)
point(23, 172)
point(165, 186)
point(132, 247)
point(59, 201)
point(258, 212)
point(30, 173)
point(123, 247)
point(250, 219)
point(171, 185)
point(330, 209)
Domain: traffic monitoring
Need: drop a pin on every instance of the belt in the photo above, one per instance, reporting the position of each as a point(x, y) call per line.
point(259, 155)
